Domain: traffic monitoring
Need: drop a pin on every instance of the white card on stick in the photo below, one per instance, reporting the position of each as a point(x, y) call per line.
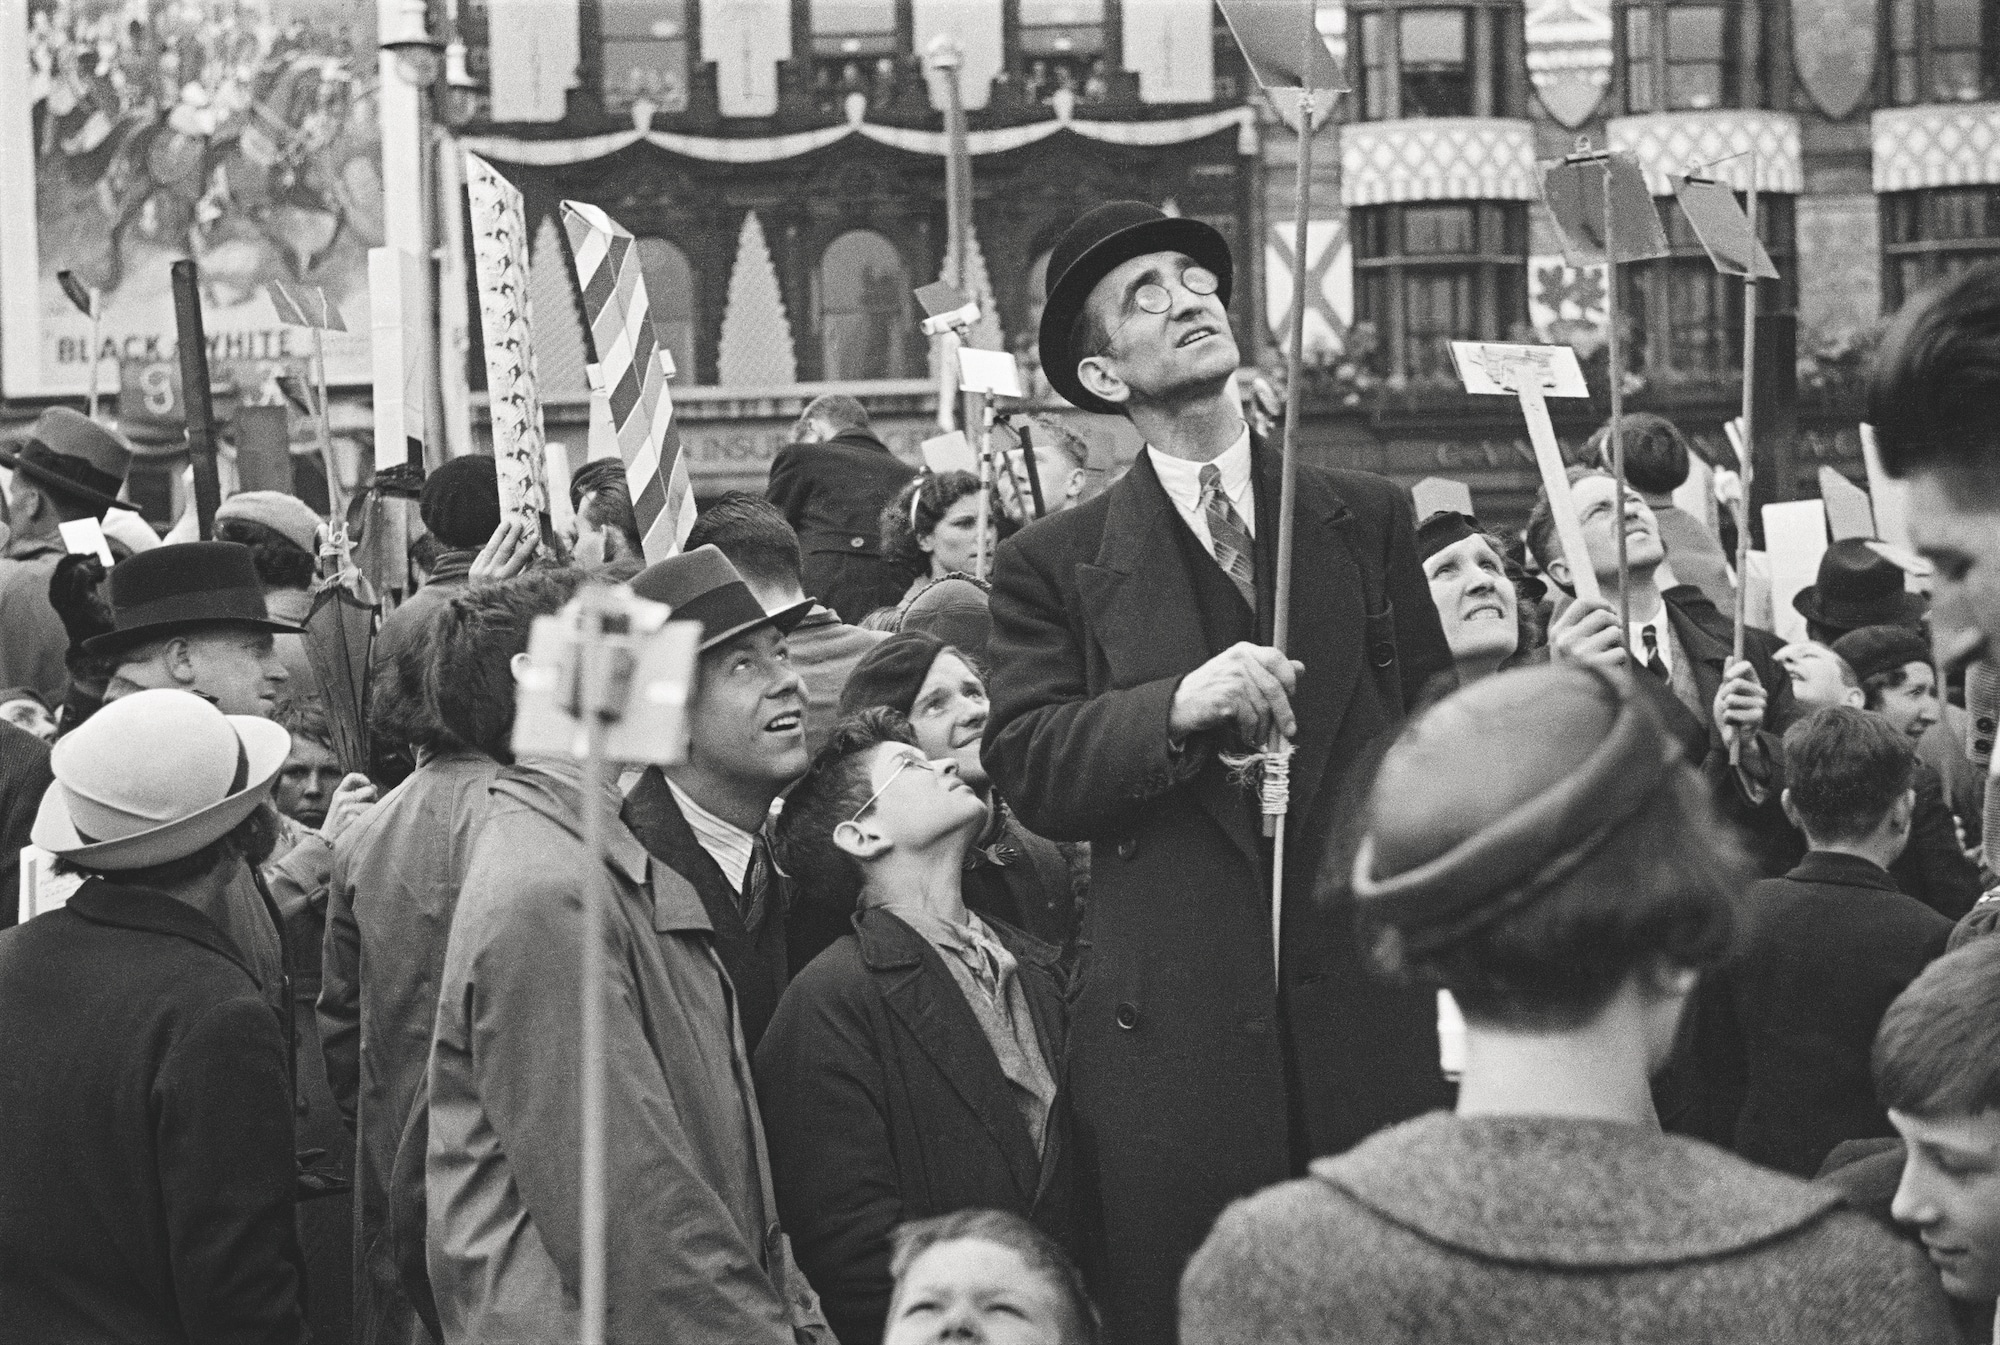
point(85, 537)
point(992, 372)
point(1795, 538)
point(1498, 369)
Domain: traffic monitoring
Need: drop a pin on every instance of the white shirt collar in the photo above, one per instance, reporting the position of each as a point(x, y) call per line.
point(1662, 632)
point(1182, 478)
point(727, 844)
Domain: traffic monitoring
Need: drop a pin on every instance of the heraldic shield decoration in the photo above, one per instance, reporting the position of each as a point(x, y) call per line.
point(1833, 49)
point(1569, 56)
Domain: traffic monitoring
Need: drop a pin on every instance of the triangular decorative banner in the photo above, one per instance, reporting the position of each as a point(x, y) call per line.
point(1833, 49)
point(1329, 285)
point(756, 348)
point(1569, 56)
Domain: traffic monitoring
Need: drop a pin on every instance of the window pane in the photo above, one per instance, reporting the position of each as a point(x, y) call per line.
point(1429, 230)
point(853, 27)
point(1049, 13)
point(864, 294)
point(670, 299)
point(1955, 23)
point(1437, 82)
point(1955, 76)
point(1433, 37)
point(1694, 34)
point(1641, 96)
point(1694, 86)
point(645, 54)
point(643, 18)
point(1437, 310)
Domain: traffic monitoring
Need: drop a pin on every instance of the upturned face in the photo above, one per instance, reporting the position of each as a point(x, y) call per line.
point(1153, 357)
point(1474, 598)
point(975, 1292)
point(954, 543)
point(1950, 1193)
point(919, 800)
point(1596, 505)
point(1816, 677)
point(748, 717)
point(949, 715)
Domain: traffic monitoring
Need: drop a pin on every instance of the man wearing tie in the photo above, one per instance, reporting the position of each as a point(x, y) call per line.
point(1131, 653)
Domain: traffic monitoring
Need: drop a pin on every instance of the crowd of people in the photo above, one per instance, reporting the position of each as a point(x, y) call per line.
point(1619, 985)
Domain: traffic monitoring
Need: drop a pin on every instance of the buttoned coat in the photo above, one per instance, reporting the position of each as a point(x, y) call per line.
point(695, 1250)
point(885, 1102)
point(832, 494)
point(1187, 1055)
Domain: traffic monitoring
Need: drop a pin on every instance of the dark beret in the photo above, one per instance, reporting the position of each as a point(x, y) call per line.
point(461, 502)
point(1880, 649)
point(1442, 529)
point(892, 673)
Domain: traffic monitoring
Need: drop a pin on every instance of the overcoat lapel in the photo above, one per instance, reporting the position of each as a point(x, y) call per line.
point(1139, 605)
point(653, 815)
point(920, 991)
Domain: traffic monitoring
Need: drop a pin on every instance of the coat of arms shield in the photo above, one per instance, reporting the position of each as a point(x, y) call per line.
point(1569, 56)
point(1833, 48)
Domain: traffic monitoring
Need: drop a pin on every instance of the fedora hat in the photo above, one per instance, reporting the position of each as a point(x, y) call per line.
point(1858, 586)
point(1099, 242)
point(153, 777)
point(73, 455)
point(701, 585)
point(177, 588)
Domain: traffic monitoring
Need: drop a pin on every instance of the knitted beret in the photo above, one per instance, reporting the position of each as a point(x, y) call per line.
point(892, 673)
point(461, 502)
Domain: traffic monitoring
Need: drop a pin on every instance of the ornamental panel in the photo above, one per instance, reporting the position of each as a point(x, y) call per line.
point(1437, 159)
point(1672, 143)
point(1936, 145)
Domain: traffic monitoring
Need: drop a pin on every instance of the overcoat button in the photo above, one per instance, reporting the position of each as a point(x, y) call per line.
point(1127, 848)
point(1127, 1016)
point(857, 542)
point(1384, 653)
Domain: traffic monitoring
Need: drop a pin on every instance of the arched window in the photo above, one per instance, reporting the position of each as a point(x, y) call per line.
point(862, 294)
point(670, 297)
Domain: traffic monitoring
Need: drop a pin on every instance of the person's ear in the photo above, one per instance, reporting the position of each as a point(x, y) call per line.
point(1902, 813)
point(1557, 569)
point(1101, 380)
point(1791, 813)
point(861, 840)
point(177, 657)
point(1853, 698)
point(518, 665)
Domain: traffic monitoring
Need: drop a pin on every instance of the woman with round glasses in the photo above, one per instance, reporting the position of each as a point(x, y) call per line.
point(912, 1068)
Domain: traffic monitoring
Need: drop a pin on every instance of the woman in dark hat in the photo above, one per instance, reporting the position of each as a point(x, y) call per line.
point(1011, 874)
point(1898, 680)
point(1535, 844)
point(1479, 600)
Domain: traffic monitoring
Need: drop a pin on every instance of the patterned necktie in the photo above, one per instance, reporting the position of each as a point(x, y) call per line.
point(755, 897)
point(1231, 539)
point(1654, 663)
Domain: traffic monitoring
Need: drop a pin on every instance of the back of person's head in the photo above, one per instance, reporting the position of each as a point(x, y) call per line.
point(1074, 1316)
point(470, 675)
point(280, 562)
point(1541, 532)
point(831, 791)
point(1937, 1052)
point(1936, 378)
point(602, 497)
point(753, 533)
point(1844, 770)
point(1534, 841)
point(460, 503)
point(1656, 453)
point(401, 712)
point(833, 413)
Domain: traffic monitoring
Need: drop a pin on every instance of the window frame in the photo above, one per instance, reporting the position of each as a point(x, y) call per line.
point(1660, 62)
point(1496, 45)
point(1920, 58)
point(1497, 299)
point(1648, 300)
point(1936, 252)
point(616, 102)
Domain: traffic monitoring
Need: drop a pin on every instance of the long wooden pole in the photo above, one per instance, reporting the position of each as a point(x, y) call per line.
point(1614, 353)
point(193, 343)
point(1749, 439)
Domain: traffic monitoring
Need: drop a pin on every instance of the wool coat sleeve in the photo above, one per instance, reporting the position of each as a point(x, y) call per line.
point(1074, 765)
point(823, 1092)
point(339, 1005)
point(1933, 867)
point(676, 1253)
point(24, 778)
point(223, 1101)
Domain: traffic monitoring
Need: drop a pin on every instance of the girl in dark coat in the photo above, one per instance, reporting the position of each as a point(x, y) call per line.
point(912, 1069)
point(1534, 845)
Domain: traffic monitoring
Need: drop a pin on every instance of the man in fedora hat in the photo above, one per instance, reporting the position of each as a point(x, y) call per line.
point(191, 617)
point(1856, 586)
point(693, 1234)
point(1131, 651)
point(705, 819)
point(68, 468)
point(145, 1106)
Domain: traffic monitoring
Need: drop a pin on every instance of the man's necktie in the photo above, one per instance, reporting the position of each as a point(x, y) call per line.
point(1655, 665)
point(1230, 537)
point(757, 879)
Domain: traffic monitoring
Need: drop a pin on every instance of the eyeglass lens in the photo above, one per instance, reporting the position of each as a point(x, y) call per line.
point(1196, 279)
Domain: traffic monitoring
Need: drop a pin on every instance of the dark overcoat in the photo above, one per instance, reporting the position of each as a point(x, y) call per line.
point(1774, 1058)
point(24, 777)
point(752, 950)
point(883, 1101)
point(146, 1115)
point(1198, 1076)
point(832, 494)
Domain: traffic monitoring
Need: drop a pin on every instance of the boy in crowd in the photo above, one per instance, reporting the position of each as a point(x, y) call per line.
point(912, 1068)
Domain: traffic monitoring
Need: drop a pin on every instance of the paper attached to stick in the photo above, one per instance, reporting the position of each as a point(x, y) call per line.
point(992, 372)
point(1496, 369)
point(1282, 44)
point(1574, 194)
point(1848, 512)
point(1441, 495)
point(1724, 230)
point(304, 306)
point(949, 453)
point(85, 537)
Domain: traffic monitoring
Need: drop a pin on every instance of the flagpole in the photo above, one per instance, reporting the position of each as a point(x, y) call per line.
point(1613, 352)
point(1749, 439)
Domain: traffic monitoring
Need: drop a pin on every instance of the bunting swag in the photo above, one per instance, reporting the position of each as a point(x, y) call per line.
point(631, 376)
point(767, 149)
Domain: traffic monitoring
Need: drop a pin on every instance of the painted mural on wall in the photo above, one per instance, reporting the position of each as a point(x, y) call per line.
point(1569, 56)
point(240, 133)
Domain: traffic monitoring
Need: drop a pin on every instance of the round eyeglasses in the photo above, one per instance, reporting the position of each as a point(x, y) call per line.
point(1153, 297)
point(908, 759)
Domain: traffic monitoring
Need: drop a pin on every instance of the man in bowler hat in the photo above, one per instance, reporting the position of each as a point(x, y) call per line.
point(68, 468)
point(1132, 651)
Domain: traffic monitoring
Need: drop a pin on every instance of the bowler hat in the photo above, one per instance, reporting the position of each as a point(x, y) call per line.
point(153, 777)
point(1500, 792)
point(1858, 586)
point(1099, 242)
point(177, 588)
point(701, 585)
point(73, 455)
